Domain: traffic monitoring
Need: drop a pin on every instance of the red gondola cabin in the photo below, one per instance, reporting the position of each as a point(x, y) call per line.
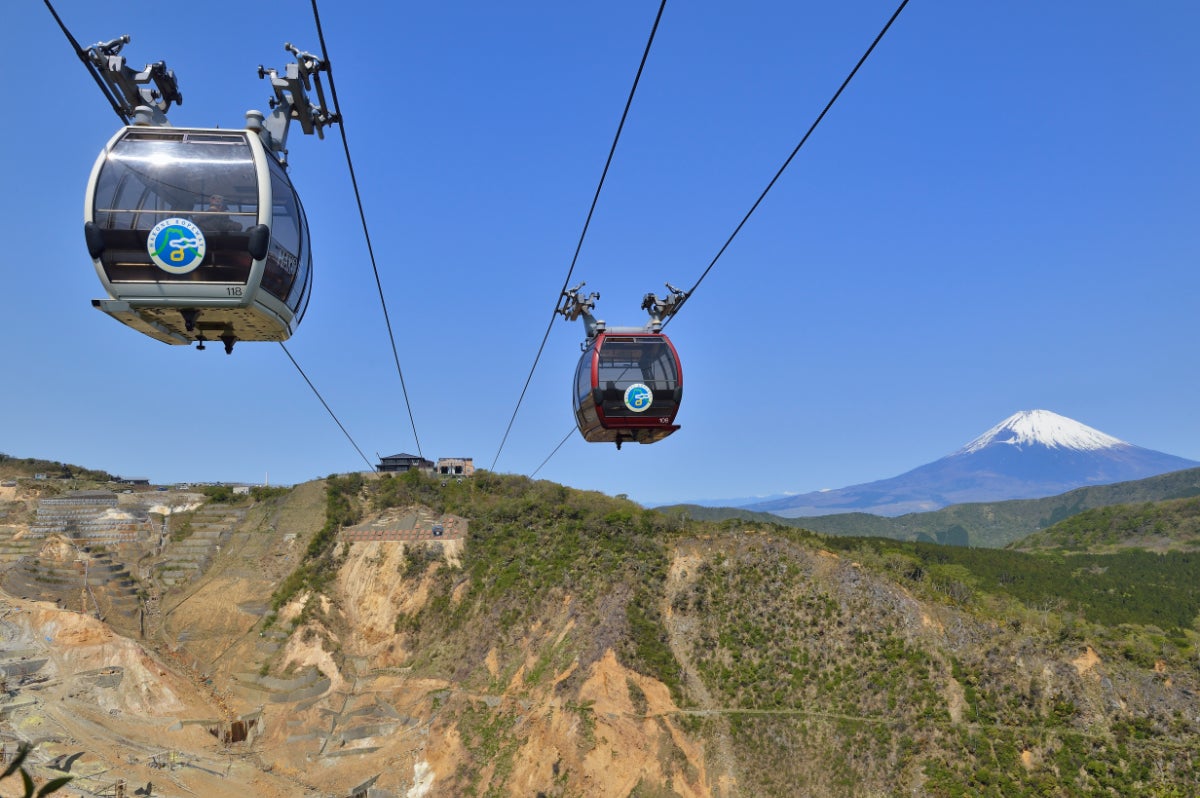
point(628, 387)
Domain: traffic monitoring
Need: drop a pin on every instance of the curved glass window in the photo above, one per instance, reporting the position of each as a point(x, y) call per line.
point(204, 177)
point(583, 377)
point(287, 254)
point(585, 409)
point(301, 307)
point(301, 289)
point(626, 360)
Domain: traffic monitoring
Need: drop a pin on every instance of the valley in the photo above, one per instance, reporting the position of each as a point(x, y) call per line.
point(562, 643)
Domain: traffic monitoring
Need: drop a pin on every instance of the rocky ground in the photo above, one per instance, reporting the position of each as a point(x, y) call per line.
point(797, 666)
point(177, 703)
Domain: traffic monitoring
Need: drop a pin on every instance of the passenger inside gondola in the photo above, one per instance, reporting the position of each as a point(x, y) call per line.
point(216, 216)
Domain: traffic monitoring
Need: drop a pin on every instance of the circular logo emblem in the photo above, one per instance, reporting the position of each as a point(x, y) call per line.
point(638, 397)
point(176, 245)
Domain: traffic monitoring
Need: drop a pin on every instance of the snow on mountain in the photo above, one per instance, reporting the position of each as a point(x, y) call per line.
point(1029, 455)
point(1030, 427)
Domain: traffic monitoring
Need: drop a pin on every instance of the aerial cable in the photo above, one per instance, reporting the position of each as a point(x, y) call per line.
point(813, 127)
point(83, 56)
point(778, 174)
point(587, 222)
point(570, 432)
point(370, 466)
point(366, 233)
point(118, 108)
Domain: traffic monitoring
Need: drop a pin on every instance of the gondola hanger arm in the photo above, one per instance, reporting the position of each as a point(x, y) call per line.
point(155, 88)
point(662, 309)
point(291, 101)
point(574, 305)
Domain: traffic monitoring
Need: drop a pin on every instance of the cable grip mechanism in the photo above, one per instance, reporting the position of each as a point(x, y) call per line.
point(574, 305)
point(662, 309)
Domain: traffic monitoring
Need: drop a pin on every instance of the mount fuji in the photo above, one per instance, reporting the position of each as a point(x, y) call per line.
point(1029, 455)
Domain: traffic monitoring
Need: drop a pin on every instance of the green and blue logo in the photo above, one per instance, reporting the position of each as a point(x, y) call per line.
point(638, 397)
point(176, 245)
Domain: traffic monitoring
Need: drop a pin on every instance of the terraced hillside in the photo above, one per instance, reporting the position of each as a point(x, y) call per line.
point(572, 644)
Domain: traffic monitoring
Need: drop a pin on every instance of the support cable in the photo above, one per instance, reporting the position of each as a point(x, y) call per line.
point(587, 222)
point(812, 128)
point(366, 232)
point(326, 406)
point(570, 432)
point(83, 56)
point(763, 195)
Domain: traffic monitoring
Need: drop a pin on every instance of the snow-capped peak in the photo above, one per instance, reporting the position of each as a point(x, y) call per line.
point(1045, 428)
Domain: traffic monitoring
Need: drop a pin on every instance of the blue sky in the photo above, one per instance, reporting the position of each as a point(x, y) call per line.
point(999, 214)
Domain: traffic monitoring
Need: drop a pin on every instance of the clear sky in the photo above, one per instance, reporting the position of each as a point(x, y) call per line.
point(1001, 213)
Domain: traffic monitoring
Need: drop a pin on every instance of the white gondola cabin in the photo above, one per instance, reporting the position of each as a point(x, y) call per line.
point(197, 234)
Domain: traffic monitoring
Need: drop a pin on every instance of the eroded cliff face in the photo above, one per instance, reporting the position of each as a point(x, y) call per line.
point(527, 718)
point(327, 698)
point(416, 669)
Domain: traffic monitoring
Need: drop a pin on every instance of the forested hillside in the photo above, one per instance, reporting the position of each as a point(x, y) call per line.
point(988, 524)
point(1154, 526)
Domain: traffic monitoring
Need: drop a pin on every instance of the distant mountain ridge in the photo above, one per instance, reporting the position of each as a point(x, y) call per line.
point(1031, 454)
point(982, 524)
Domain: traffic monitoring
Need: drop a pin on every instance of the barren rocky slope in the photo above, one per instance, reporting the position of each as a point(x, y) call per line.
point(569, 644)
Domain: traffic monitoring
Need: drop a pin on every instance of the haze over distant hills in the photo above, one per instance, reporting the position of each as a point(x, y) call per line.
point(1031, 454)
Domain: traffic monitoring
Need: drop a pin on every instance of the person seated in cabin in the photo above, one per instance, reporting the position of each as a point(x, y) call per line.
point(216, 218)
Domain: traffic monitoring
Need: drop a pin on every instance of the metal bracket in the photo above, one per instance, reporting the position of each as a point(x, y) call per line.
point(574, 305)
point(662, 309)
point(291, 101)
point(154, 88)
